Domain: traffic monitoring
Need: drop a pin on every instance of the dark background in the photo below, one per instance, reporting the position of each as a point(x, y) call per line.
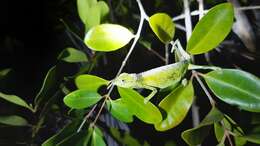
point(31, 37)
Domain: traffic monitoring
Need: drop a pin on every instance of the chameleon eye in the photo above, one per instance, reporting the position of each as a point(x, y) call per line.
point(123, 81)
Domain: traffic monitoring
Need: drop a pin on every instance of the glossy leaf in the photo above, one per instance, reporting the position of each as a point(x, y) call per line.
point(107, 37)
point(118, 108)
point(212, 29)
point(83, 8)
point(196, 135)
point(72, 55)
point(81, 98)
point(177, 105)
point(90, 82)
point(148, 112)
point(162, 26)
point(15, 100)
point(13, 120)
point(67, 131)
point(235, 87)
point(93, 18)
point(97, 138)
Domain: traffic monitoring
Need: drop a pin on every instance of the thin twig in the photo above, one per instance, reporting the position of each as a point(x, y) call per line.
point(211, 100)
point(188, 24)
point(99, 111)
point(167, 54)
point(156, 54)
point(137, 36)
point(197, 12)
point(86, 117)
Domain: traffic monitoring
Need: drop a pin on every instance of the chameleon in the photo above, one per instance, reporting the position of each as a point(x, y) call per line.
point(160, 77)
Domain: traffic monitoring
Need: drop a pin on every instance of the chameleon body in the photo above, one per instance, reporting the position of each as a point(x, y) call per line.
point(160, 77)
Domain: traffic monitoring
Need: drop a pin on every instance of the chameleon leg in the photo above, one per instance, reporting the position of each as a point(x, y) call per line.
point(154, 91)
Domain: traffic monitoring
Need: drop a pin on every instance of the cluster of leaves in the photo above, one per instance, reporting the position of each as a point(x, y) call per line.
point(232, 86)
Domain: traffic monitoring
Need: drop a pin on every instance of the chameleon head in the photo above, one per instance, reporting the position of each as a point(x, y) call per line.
point(125, 80)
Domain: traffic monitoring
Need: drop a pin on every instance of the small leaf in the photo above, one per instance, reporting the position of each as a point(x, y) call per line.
point(235, 87)
point(15, 100)
point(196, 135)
point(13, 120)
point(177, 105)
point(4, 72)
point(97, 139)
point(104, 9)
point(107, 37)
point(77, 138)
point(212, 29)
point(118, 108)
point(82, 98)
point(72, 55)
point(83, 8)
point(148, 112)
point(90, 82)
point(67, 131)
point(93, 18)
point(162, 26)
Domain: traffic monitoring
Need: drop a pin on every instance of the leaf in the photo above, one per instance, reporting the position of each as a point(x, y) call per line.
point(196, 135)
point(118, 108)
point(177, 105)
point(162, 26)
point(90, 82)
point(107, 37)
point(235, 87)
point(232, 126)
point(104, 9)
point(81, 98)
point(67, 131)
point(72, 55)
point(15, 100)
point(83, 8)
point(93, 18)
point(97, 139)
point(4, 72)
point(148, 112)
point(78, 139)
point(212, 29)
point(13, 120)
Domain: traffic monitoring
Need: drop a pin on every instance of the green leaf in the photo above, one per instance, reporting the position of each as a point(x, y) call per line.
point(148, 112)
point(13, 120)
point(83, 8)
point(107, 37)
point(212, 29)
point(177, 105)
point(90, 82)
point(97, 138)
point(4, 72)
point(162, 26)
point(93, 17)
point(77, 139)
point(104, 9)
point(81, 98)
point(118, 108)
point(72, 55)
point(235, 87)
point(15, 100)
point(196, 135)
point(67, 131)
point(232, 126)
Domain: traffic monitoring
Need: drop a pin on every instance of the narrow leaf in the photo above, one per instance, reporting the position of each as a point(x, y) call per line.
point(13, 120)
point(235, 87)
point(177, 105)
point(212, 29)
point(82, 98)
point(148, 112)
point(72, 55)
point(162, 26)
point(15, 100)
point(90, 82)
point(107, 37)
point(196, 135)
point(97, 138)
point(4, 72)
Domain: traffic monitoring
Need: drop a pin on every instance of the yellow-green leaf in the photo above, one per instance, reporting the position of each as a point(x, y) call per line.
point(90, 82)
point(107, 37)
